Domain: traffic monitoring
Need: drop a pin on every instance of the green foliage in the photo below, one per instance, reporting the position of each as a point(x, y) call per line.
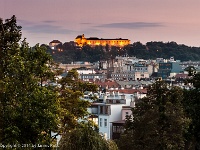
point(72, 106)
point(112, 145)
point(192, 108)
point(76, 134)
point(150, 50)
point(191, 70)
point(158, 120)
point(28, 112)
point(85, 138)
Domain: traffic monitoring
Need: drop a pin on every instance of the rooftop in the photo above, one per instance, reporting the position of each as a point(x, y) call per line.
point(55, 41)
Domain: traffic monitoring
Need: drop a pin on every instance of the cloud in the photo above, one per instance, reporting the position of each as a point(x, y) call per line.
point(24, 22)
point(90, 31)
point(85, 23)
point(131, 25)
point(45, 27)
point(48, 21)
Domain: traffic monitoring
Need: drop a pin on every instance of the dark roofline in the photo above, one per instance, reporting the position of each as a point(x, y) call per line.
point(96, 38)
point(79, 36)
point(105, 39)
point(119, 122)
point(55, 41)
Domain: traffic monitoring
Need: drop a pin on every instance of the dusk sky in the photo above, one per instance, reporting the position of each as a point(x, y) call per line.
point(138, 20)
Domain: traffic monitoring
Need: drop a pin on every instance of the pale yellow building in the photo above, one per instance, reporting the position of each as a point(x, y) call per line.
point(93, 41)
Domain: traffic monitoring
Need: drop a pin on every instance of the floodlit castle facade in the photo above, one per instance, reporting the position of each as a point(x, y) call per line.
point(93, 41)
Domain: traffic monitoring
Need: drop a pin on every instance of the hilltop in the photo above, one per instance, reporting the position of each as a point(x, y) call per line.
point(68, 52)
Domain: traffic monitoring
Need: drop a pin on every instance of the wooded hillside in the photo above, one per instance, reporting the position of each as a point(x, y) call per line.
point(66, 53)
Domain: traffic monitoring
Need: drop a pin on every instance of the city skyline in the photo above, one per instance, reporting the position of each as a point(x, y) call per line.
point(144, 21)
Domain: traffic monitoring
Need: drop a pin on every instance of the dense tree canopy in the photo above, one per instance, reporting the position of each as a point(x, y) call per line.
point(192, 107)
point(85, 138)
point(158, 120)
point(73, 108)
point(77, 132)
point(27, 110)
point(150, 50)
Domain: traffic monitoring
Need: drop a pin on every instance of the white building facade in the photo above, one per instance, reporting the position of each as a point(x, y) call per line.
point(109, 108)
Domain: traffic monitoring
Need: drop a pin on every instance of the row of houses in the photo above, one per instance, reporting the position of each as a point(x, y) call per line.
point(128, 69)
point(121, 83)
point(115, 101)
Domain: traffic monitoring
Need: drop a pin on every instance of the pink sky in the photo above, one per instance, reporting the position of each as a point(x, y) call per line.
point(138, 20)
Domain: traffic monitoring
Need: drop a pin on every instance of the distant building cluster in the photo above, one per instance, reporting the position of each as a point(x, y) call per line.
point(122, 81)
point(80, 40)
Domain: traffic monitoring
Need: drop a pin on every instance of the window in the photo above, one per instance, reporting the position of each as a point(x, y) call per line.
point(126, 114)
point(105, 123)
point(114, 129)
point(100, 122)
point(107, 108)
point(117, 101)
point(101, 109)
point(110, 101)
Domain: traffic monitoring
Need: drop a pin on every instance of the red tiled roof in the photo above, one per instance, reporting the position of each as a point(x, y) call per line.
point(131, 91)
point(108, 84)
point(142, 91)
point(181, 75)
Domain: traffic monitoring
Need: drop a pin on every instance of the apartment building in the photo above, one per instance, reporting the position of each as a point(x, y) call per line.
point(108, 108)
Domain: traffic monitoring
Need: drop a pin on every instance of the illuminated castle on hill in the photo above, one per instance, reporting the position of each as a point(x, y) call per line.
point(93, 41)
